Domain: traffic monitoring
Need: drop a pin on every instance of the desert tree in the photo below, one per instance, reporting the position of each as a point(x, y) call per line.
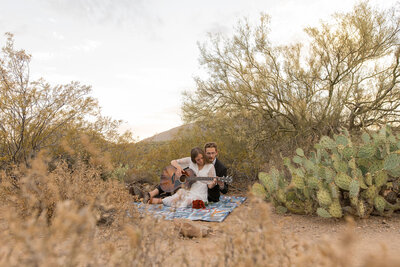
point(345, 74)
point(33, 114)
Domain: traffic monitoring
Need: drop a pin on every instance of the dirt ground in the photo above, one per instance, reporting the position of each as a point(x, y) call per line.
point(372, 235)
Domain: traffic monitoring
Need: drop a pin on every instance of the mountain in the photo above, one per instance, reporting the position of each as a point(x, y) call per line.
point(167, 135)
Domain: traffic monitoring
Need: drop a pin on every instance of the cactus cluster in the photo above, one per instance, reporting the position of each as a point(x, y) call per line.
point(339, 176)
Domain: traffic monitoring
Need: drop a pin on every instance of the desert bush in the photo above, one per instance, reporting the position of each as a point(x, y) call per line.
point(149, 158)
point(35, 191)
point(276, 97)
point(35, 115)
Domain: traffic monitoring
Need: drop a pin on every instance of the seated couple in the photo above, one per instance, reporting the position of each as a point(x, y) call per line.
point(204, 164)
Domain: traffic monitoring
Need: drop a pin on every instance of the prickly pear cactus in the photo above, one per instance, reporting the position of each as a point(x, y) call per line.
point(339, 173)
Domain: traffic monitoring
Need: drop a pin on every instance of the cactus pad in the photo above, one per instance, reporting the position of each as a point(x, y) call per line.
point(368, 179)
point(300, 152)
point(297, 159)
point(327, 142)
point(334, 190)
point(380, 178)
point(267, 181)
point(258, 190)
point(323, 213)
point(366, 138)
point(366, 151)
point(371, 193)
point(341, 140)
point(348, 152)
point(361, 209)
point(312, 182)
point(391, 162)
point(324, 198)
point(336, 210)
point(342, 180)
point(379, 203)
point(354, 188)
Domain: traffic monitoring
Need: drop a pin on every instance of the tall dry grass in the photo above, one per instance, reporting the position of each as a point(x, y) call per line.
point(72, 217)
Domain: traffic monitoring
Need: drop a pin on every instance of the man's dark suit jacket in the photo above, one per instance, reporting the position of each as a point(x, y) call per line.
point(214, 193)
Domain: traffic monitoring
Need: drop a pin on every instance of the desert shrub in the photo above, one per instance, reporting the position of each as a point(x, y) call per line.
point(273, 98)
point(37, 116)
point(73, 238)
point(34, 114)
point(149, 158)
point(35, 191)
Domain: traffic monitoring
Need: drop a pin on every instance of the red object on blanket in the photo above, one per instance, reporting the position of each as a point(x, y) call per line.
point(198, 204)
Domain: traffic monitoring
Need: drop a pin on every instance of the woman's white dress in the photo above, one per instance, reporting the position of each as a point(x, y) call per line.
point(198, 190)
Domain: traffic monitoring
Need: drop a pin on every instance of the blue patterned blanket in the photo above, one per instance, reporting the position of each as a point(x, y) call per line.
point(214, 211)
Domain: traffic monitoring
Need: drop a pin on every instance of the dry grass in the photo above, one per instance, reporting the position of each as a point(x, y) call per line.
point(74, 218)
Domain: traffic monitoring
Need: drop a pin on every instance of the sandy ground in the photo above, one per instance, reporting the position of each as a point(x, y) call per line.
point(371, 236)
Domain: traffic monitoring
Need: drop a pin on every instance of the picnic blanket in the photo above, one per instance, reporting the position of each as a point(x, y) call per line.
point(214, 211)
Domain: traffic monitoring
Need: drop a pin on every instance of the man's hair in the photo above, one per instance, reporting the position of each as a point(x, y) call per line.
point(210, 144)
point(195, 152)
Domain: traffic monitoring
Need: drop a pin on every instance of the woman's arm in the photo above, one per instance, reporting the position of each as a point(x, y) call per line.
point(178, 167)
point(180, 164)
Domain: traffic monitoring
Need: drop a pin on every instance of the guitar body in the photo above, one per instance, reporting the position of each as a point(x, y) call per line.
point(170, 183)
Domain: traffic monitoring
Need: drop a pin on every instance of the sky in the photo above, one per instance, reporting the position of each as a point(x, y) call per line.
point(140, 55)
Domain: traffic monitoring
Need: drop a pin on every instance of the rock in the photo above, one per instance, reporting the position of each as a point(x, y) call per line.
point(189, 229)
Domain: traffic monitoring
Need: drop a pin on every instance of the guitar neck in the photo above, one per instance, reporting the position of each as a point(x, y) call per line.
point(203, 178)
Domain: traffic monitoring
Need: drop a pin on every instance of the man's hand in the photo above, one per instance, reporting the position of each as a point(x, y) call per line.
point(221, 184)
point(213, 184)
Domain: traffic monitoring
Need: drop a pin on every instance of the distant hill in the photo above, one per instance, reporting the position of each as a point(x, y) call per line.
point(167, 135)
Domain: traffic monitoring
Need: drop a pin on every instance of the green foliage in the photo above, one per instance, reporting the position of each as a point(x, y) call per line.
point(120, 172)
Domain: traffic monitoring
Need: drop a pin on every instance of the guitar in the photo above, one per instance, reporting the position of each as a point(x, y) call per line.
point(170, 183)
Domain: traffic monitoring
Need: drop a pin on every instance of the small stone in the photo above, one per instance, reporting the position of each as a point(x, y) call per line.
point(189, 229)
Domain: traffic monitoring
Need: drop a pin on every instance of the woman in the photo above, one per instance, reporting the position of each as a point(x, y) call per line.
point(198, 191)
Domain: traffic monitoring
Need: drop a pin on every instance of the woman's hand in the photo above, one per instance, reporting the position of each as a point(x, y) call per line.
point(178, 172)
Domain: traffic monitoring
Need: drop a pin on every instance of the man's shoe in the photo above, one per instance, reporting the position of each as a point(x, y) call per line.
point(146, 198)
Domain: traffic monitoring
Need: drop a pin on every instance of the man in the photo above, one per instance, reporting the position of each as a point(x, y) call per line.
point(214, 190)
point(218, 187)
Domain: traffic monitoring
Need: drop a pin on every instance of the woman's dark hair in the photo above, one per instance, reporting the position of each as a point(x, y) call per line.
point(195, 152)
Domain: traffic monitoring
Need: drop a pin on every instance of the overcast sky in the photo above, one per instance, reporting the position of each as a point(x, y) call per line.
point(140, 55)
